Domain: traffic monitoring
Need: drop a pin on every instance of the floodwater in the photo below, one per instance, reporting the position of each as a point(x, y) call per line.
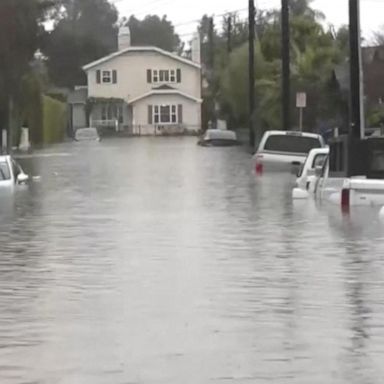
point(157, 261)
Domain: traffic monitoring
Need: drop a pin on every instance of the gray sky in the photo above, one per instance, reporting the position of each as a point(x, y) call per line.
point(183, 11)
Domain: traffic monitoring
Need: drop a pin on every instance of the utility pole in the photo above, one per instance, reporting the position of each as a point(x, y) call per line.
point(229, 32)
point(211, 54)
point(10, 124)
point(211, 44)
point(285, 54)
point(356, 129)
point(251, 43)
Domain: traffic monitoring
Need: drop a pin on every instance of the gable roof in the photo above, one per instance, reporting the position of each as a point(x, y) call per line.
point(155, 92)
point(163, 87)
point(141, 49)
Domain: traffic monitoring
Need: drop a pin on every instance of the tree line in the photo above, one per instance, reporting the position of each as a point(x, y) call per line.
point(84, 30)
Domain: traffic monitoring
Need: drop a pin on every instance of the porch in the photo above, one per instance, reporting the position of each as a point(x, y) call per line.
point(110, 115)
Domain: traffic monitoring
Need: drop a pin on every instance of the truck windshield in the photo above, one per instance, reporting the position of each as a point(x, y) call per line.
point(291, 143)
point(5, 173)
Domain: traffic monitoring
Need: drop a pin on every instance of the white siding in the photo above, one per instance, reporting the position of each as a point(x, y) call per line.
point(131, 70)
point(191, 112)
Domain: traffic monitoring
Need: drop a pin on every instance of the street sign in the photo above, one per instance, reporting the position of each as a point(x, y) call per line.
point(301, 100)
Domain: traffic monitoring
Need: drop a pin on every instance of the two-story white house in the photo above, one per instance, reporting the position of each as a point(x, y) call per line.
point(145, 90)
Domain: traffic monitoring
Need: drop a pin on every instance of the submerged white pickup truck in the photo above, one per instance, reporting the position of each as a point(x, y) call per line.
point(284, 151)
point(365, 185)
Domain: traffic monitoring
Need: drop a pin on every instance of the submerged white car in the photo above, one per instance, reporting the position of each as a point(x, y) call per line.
point(11, 173)
point(87, 134)
point(218, 138)
point(285, 150)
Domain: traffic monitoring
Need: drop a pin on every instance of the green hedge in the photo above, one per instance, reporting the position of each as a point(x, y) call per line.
point(55, 118)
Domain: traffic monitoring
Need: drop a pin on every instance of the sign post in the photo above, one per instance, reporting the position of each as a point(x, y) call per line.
point(301, 103)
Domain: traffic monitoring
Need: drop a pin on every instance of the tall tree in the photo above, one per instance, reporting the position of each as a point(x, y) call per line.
point(316, 52)
point(378, 37)
point(20, 31)
point(154, 31)
point(84, 30)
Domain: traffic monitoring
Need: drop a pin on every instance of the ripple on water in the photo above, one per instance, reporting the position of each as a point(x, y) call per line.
point(157, 261)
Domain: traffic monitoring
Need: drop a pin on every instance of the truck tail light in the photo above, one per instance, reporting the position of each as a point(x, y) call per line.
point(259, 168)
point(259, 164)
point(345, 199)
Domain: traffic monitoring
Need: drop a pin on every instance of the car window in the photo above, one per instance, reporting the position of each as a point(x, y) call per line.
point(15, 168)
point(377, 162)
point(318, 161)
point(5, 173)
point(291, 144)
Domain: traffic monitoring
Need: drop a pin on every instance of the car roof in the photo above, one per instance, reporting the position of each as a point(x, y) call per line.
point(293, 133)
point(4, 159)
point(219, 134)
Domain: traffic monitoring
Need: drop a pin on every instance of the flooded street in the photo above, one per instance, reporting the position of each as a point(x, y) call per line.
point(158, 261)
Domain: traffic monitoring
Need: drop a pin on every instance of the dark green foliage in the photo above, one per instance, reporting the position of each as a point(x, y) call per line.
point(315, 53)
point(84, 31)
point(55, 119)
point(31, 107)
point(20, 33)
point(154, 31)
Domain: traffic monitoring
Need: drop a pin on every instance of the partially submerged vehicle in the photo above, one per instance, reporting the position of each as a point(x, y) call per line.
point(87, 134)
point(11, 173)
point(365, 183)
point(306, 176)
point(218, 138)
point(285, 151)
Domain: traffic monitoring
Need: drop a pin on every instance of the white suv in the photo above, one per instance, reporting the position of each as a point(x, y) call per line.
point(285, 150)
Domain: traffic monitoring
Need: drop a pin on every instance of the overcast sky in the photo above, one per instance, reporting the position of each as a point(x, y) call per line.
point(184, 11)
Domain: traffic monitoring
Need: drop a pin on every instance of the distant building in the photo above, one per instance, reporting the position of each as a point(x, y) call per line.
point(144, 90)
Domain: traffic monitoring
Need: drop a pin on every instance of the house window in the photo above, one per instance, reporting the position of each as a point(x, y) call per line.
point(173, 114)
point(172, 76)
point(156, 115)
point(165, 114)
point(106, 77)
point(155, 76)
point(164, 76)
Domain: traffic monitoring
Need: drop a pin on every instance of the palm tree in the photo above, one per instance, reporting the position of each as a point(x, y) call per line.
point(303, 8)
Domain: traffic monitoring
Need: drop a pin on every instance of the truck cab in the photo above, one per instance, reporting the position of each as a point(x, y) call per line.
point(353, 173)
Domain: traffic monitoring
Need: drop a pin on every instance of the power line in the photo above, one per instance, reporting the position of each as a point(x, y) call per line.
point(214, 16)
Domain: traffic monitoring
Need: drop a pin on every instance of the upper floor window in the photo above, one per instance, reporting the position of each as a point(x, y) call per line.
point(163, 76)
point(106, 76)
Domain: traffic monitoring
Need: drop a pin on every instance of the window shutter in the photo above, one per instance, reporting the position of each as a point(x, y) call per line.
point(178, 75)
point(149, 76)
point(180, 113)
point(114, 76)
point(98, 76)
point(150, 114)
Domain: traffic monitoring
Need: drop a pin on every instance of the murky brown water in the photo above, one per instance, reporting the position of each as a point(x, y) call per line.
point(157, 261)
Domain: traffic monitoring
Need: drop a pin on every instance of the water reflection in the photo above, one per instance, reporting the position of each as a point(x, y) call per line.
point(157, 261)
